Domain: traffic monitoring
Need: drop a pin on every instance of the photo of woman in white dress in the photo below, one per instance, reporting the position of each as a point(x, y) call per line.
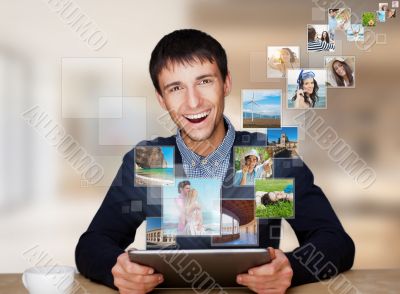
point(194, 218)
point(196, 211)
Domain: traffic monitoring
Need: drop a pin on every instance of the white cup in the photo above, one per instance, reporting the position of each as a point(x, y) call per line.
point(49, 279)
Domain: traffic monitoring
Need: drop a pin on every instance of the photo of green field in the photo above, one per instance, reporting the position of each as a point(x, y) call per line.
point(274, 198)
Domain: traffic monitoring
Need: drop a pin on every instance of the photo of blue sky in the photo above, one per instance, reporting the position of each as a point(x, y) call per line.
point(168, 152)
point(268, 103)
point(275, 134)
point(153, 223)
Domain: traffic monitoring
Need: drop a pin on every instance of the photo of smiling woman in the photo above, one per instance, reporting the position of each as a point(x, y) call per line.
point(280, 59)
point(306, 88)
point(325, 37)
point(341, 70)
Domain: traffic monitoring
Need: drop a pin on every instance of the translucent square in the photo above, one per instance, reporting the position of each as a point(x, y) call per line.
point(110, 166)
point(258, 67)
point(318, 14)
point(110, 107)
point(136, 205)
point(84, 183)
point(339, 45)
point(316, 59)
point(125, 209)
point(275, 232)
point(245, 139)
point(84, 80)
point(153, 195)
point(130, 128)
point(380, 39)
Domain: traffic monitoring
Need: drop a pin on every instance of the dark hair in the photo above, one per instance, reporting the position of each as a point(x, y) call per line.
point(326, 39)
point(266, 199)
point(186, 46)
point(248, 156)
point(314, 96)
point(349, 74)
point(291, 53)
point(182, 185)
point(311, 34)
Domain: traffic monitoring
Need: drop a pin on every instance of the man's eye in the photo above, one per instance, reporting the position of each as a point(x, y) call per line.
point(175, 88)
point(205, 81)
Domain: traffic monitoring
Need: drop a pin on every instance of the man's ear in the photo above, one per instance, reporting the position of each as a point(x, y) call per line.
point(227, 84)
point(161, 100)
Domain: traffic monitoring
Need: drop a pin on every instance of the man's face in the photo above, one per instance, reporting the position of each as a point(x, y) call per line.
point(193, 94)
point(251, 161)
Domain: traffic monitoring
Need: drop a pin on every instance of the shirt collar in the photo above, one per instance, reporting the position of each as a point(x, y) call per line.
point(216, 156)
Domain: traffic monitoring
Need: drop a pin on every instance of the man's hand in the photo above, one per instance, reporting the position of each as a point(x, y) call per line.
point(245, 169)
point(273, 277)
point(132, 278)
point(267, 166)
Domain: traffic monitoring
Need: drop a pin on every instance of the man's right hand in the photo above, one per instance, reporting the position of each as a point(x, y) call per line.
point(245, 169)
point(133, 278)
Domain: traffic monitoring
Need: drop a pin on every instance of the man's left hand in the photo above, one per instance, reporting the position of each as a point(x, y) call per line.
point(273, 277)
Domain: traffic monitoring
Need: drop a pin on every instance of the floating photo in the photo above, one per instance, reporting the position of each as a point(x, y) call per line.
point(369, 19)
point(338, 19)
point(154, 165)
point(280, 59)
point(319, 39)
point(251, 162)
point(388, 13)
point(156, 238)
point(239, 225)
point(340, 71)
point(192, 207)
point(381, 15)
point(283, 142)
point(262, 108)
point(306, 88)
point(274, 198)
point(355, 33)
point(384, 6)
point(391, 13)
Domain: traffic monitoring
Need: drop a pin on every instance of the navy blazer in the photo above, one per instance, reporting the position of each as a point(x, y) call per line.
point(325, 248)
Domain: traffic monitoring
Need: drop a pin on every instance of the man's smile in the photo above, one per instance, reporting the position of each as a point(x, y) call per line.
point(198, 117)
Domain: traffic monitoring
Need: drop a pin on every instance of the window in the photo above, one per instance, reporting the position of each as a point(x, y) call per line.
point(230, 225)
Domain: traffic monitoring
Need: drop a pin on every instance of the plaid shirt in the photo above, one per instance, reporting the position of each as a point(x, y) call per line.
point(215, 165)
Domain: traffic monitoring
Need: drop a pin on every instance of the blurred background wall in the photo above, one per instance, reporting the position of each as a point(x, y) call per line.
point(103, 98)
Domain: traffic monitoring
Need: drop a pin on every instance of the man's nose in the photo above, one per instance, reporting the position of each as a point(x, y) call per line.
point(193, 97)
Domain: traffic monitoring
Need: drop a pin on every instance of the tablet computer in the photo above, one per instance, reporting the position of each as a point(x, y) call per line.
point(200, 268)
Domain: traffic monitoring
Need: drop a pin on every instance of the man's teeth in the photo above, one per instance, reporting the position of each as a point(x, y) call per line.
point(197, 116)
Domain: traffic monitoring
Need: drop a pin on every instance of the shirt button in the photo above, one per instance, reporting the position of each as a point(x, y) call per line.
point(193, 163)
point(204, 161)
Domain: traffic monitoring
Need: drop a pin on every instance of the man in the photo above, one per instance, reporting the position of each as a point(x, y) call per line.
point(183, 190)
point(332, 23)
point(190, 74)
point(251, 170)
